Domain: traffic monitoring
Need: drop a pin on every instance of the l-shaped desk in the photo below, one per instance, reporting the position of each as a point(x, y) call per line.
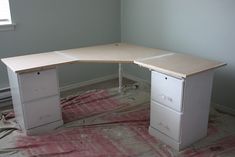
point(180, 88)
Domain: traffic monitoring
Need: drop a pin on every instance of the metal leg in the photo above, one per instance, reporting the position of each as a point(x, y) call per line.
point(120, 77)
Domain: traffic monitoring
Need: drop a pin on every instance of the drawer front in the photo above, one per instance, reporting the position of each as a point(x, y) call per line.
point(42, 111)
point(38, 84)
point(165, 120)
point(167, 90)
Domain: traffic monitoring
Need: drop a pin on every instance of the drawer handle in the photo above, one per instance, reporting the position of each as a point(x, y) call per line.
point(166, 98)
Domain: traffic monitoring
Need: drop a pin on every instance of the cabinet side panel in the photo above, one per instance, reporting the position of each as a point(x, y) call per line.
point(16, 98)
point(196, 102)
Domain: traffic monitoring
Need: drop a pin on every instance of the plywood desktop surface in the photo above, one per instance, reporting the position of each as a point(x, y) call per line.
point(176, 64)
point(31, 62)
point(179, 65)
point(112, 53)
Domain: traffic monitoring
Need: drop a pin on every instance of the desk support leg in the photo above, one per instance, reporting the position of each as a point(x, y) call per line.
point(120, 77)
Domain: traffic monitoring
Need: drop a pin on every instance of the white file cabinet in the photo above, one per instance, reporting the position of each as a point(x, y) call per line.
point(36, 100)
point(180, 108)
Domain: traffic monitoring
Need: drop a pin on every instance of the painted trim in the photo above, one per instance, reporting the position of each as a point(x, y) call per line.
point(89, 82)
point(134, 78)
point(224, 109)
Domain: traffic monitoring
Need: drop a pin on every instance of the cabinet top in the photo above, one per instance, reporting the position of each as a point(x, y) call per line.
point(180, 65)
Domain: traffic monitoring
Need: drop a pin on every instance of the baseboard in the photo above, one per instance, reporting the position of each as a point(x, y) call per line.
point(89, 82)
point(101, 79)
point(224, 108)
point(134, 78)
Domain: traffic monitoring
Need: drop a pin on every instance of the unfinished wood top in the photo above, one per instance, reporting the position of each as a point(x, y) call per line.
point(32, 62)
point(179, 65)
point(112, 53)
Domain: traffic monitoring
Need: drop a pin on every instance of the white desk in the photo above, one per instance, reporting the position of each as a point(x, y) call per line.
point(180, 90)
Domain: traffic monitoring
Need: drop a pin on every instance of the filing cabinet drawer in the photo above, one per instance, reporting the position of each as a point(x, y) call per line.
point(165, 120)
point(38, 84)
point(42, 111)
point(167, 90)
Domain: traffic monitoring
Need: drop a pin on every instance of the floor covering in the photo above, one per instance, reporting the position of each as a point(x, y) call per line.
point(105, 123)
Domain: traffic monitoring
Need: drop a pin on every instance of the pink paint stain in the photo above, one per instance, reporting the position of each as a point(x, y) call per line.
point(156, 146)
point(87, 104)
point(84, 142)
point(138, 117)
point(91, 141)
point(222, 146)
